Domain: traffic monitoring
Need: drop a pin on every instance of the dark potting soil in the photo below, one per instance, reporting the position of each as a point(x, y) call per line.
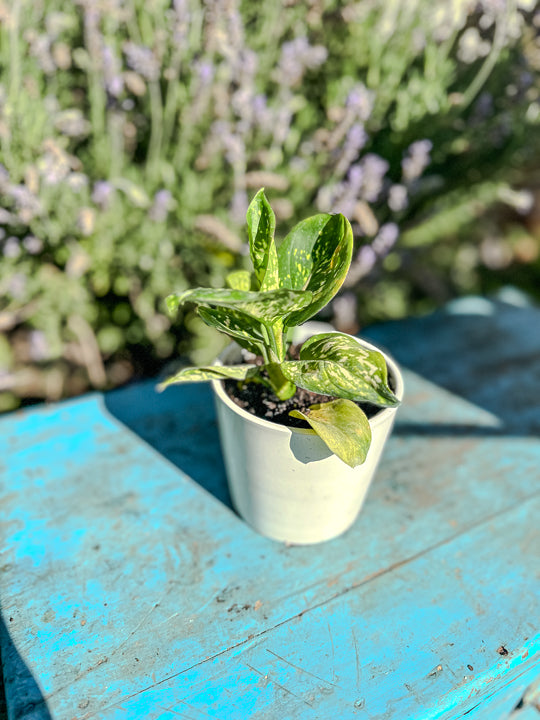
point(259, 400)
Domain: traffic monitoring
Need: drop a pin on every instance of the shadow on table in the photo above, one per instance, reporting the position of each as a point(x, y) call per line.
point(19, 688)
point(180, 424)
point(485, 352)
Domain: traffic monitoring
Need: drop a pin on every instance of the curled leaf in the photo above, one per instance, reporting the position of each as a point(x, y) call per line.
point(342, 426)
point(262, 248)
point(239, 280)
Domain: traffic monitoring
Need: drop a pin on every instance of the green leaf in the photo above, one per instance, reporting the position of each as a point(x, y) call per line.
point(247, 331)
point(213, 372)
point(239, 280)
point(315, 256)
point(267, 307)
point(336, 364)
point(261, 223)
point(342, 426)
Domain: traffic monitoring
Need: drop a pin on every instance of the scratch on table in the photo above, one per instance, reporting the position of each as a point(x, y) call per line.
point(164, 622)
point(191, 707)
point(333, 652)
point(301, 669)
point(357, 656)
point(176, 713)
point(137, 627)
point(269, 679)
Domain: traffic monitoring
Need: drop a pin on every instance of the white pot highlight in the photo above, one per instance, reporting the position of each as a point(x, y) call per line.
point(285, 482)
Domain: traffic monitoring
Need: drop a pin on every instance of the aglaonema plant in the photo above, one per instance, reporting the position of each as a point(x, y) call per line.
point(289, 284)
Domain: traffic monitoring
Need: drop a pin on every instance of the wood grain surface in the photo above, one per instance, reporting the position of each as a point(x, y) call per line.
point(130, 589)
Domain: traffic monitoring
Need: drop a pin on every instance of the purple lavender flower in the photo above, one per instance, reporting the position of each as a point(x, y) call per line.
point(239, 206)
point(27, 204)
point(360, 101)
point(356, 177)
point(231, 142)
point(102, 194)
point(32, 245)
point(17, 286)
point(344, 196)
point(161, 206)
point(397, 198)
point(181, 21)
point(40, 48)
point(141, 59)
point(375, 168)
point(364, 261)
point(385, 239)
point(112, 72)
point(205, 72)
point(297, 56)
point(38, 346)
point(12, 248)
point(416, 160)
point(4, 178)
point(354, 142)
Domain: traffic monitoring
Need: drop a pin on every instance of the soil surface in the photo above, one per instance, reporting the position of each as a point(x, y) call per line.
point(259, 400)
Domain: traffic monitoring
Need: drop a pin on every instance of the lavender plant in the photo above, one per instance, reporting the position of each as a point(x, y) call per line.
point(293, 282)
point(132, 135)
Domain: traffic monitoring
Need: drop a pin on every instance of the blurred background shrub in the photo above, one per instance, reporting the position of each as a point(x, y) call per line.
point(133, 135)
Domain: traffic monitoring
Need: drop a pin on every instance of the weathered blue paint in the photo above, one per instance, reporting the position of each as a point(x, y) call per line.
point(130, 589)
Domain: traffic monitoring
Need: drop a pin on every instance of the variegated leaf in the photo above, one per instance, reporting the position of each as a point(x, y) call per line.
point(264, 306)
point(342, 426)
point(261, 228)
point(315, 256)
point(336, 364)
point(239, 280)
point(213, 372)
point(247, 331)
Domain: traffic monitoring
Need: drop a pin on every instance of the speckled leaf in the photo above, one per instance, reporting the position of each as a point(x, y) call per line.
point(243, 328)
point(213, 372)
point(264, 306)
point(343, 427)
point(239, 280)
point(315, 255)
point(336, 364)
point(261, 223)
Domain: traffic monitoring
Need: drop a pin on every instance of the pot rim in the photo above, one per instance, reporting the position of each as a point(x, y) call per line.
point(380, 417)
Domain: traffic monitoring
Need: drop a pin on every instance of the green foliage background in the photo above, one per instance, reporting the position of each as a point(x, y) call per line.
point(133, 135)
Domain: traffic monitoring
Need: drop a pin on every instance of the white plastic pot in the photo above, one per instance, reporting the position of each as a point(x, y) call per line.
point(284, 481)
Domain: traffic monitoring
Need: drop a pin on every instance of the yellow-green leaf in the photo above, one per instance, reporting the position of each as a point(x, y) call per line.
point(342, 426)
point(239, 280)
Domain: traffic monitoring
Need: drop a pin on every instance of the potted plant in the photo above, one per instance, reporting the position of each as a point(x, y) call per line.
point(302, 478)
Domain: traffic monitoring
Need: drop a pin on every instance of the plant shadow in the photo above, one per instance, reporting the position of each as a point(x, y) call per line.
point(484, 353)
point(179, 423)
point(20, 692)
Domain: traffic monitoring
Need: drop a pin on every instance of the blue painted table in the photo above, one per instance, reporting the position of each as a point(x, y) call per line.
point(131, 590)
